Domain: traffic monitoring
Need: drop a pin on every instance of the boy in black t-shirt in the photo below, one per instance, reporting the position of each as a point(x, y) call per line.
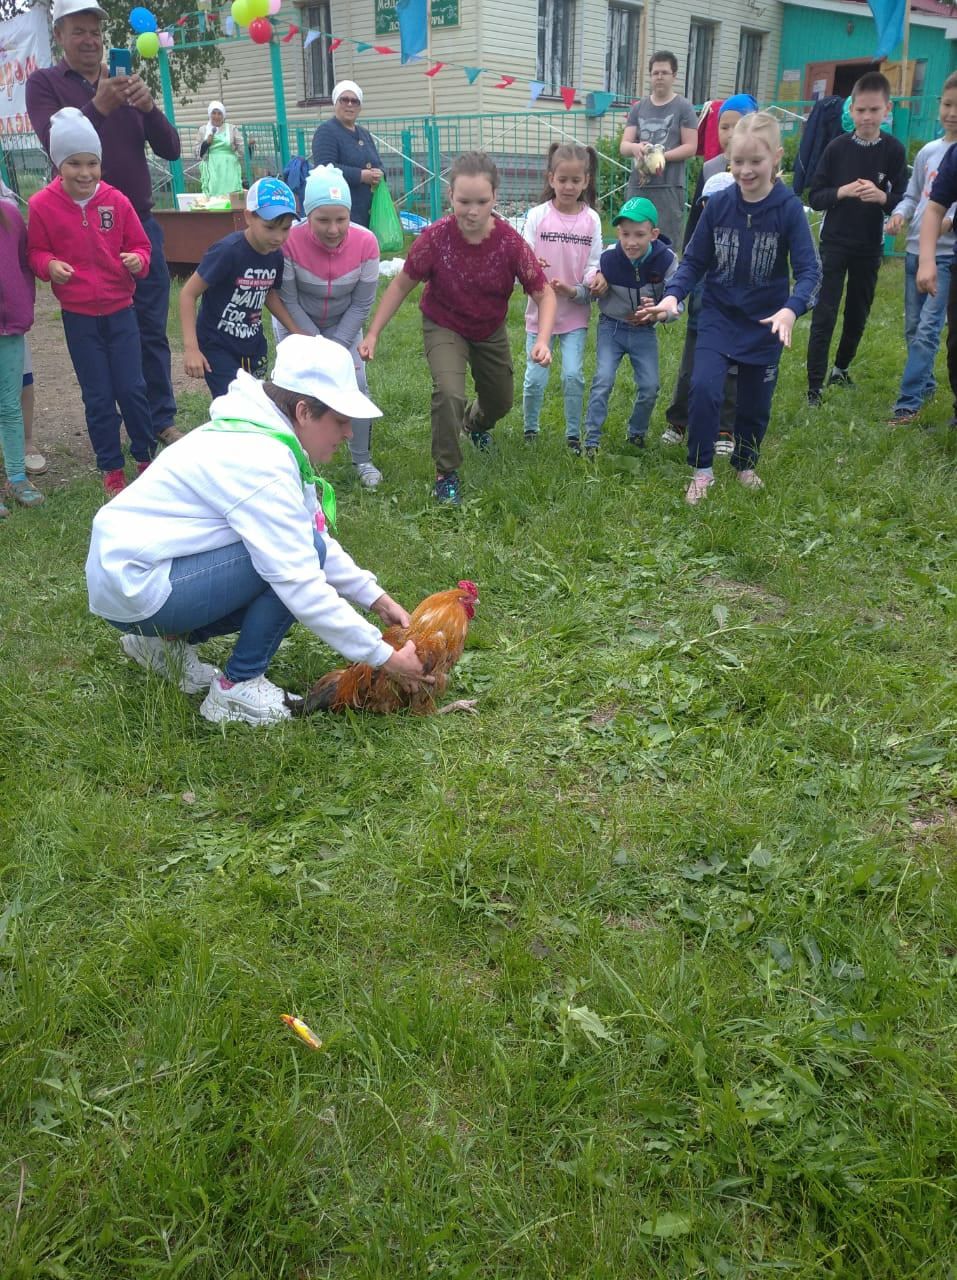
point(860, 180)
point(237, 277)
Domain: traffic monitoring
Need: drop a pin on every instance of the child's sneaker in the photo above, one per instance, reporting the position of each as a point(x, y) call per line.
point(369, 474)
point(169, 435)
point(24, 493)
point(724, 445)
point(814, 397)
point(482, 440)
point(531, 437)
point(750, 480)
point(141, 467)
point(256, 701)
point(901, 417)
point(591, 452)
point(636, 442)
point(840, 378)
point(700, 483)
point(114, 482)
point(673, 435)
point(574, 445)
point(446, 489)
point(174, 660)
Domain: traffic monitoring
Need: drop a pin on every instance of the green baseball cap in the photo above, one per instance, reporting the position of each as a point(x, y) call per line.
point(637, 209)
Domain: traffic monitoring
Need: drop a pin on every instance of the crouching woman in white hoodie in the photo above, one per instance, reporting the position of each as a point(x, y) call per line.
point(226, 534)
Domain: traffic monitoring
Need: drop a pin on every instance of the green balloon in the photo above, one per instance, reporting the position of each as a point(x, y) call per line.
point(148, 44)
point(240, 10)
point(258, 8)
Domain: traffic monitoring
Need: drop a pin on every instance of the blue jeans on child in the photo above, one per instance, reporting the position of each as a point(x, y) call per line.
point(572, 346)
point(105, 351)
point(924, 320)
point(616, 339)
point(219, 593)
point(756, 383)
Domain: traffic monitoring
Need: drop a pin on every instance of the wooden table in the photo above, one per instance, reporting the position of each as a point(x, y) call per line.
point(188, 234)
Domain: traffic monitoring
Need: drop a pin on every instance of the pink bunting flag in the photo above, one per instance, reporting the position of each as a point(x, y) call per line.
point(293, 31)
point(384, 48)
point(334, 44)
point(568, 96)
point(434, 69)
point(504, 82)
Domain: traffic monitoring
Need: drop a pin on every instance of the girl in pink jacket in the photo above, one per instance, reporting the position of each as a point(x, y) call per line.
point(85, 238)
point(16, 317)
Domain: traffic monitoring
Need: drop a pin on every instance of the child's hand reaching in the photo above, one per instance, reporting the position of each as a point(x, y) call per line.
point(895, 224)
point(367, 347)
point(133, 263)
point(599, 286)
point(541, 354)
point(195, 362)
point(782, 323)
point(563, 290)
point(60, 272)
point(667, 309)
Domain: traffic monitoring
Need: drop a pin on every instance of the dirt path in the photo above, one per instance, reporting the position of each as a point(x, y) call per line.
point(59, 426)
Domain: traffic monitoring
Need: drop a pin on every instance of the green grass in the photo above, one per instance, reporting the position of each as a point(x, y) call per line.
point(648, 971)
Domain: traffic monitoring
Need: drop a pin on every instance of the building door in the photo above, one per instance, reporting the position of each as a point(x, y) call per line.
point(823, 78)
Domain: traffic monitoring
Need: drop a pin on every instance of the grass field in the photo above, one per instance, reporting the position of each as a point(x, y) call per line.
point(646, 971)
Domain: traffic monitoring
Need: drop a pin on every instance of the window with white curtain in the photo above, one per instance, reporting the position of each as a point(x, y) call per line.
point(621, 59)
point(319, 75)
point(556, 43)
point(701, 39)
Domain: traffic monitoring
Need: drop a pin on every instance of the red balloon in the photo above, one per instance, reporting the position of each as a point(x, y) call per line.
point(260, 31)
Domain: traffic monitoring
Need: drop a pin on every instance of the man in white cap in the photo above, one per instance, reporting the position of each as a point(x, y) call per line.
point(123, 113)
point(343, 142)
point(228, 534)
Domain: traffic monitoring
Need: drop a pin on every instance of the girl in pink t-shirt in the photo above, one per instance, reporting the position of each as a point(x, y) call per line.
point(469, 261)
point(565, 234)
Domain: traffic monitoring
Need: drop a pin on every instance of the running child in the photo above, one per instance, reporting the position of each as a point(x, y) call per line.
point(469, 261)
point(943, 194)
point(746, 239)
point(565, 234)
point(237, 277)
point(85, 238)
point(631, 276)
point(924, 315)
point(16, 318)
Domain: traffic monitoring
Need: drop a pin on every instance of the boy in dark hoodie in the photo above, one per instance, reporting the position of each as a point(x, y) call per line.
point(630, 276)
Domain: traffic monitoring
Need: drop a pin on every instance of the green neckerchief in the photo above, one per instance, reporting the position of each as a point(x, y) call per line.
point(294, 445)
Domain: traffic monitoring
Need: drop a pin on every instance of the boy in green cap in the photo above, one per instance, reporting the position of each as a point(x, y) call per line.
point(632, 273)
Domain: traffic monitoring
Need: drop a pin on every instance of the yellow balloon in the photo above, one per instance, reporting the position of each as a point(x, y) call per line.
point(258, 8)
point(240, 11)
point(147, 44)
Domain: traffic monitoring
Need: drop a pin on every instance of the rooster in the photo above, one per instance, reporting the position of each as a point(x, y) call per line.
point(437, 627)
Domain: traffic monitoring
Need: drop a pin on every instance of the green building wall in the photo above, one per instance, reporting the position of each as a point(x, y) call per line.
point(816, 35)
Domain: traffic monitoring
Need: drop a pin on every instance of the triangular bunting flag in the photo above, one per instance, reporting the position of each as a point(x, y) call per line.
point(293, 31)
point(435, 69)
point(504, 82)
point(230, 24)
point(334, 44)
point(383, 48)
point(473, 73)
point(568, 96)
point(361, 46)
point(600, 101)
point(535, 91)
point(311, 37)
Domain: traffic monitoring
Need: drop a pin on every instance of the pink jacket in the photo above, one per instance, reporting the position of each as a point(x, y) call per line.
point(91, 241)
point(16, 283)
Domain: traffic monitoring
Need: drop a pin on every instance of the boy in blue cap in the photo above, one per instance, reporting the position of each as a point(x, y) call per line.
point(237, 277)
point(632, 275)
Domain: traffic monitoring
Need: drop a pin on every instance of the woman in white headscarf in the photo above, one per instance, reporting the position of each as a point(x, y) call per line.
point(219, 147)
point(343, 142)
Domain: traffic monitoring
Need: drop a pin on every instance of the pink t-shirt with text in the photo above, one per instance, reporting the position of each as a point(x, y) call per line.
point(571, 244)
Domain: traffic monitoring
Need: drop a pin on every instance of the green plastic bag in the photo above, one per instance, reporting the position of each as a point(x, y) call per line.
point(384, 220)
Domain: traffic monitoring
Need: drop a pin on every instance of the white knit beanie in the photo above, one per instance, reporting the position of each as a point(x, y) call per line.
point(72, 134)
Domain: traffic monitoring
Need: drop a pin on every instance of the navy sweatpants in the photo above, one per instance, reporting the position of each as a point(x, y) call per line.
point(151, 300)
point(225, 364)
point(756, 383)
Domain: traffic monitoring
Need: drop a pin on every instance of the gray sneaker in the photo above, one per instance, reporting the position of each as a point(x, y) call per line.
point(369, 474)
point(256, 701)
point(174, 660)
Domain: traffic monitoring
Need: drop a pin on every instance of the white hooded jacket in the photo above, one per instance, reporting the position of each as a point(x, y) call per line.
point(214, 489)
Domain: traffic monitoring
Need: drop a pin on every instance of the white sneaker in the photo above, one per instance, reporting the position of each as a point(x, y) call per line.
point(671, 435)
point(256, 701)
point(701, 482)
point(369, 474)
point(750, 480)
point(724, 446)
point(172, 659)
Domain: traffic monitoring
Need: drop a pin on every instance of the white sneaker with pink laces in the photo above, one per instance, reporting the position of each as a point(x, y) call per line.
point(750, 480)
point(701, 482)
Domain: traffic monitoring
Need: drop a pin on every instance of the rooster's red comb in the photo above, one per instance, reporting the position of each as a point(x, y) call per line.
point(468, 587)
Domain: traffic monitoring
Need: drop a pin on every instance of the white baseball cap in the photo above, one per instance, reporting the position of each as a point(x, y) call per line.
point(63, 8)
point(717, 182)
point(323, 369)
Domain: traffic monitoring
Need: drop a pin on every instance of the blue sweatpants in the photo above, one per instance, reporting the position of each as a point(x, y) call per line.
point(151, 300)
point(225, 364)
point(105, 351)
point(756, 383)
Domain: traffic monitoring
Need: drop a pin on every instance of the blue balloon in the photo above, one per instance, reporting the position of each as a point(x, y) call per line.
point(142, 20)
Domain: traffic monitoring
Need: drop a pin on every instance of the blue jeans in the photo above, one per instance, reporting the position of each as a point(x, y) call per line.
point(219, 593)
point(924, 320)
point(105, 351)
point(151, 301)
point(616, 339)
point(572, 346)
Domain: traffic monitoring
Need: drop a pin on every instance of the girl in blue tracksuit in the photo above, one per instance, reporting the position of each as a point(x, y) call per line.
point(747, 239)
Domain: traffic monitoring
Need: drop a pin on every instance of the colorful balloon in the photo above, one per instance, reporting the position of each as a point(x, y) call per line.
point(166, 39)
point(240, 11)
point(141, 20)
point(147, 44)
point(258, 8)
point(274, 7)
point(260, 31)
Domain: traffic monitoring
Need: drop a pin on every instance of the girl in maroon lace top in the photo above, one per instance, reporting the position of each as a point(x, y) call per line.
point(469, 261)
